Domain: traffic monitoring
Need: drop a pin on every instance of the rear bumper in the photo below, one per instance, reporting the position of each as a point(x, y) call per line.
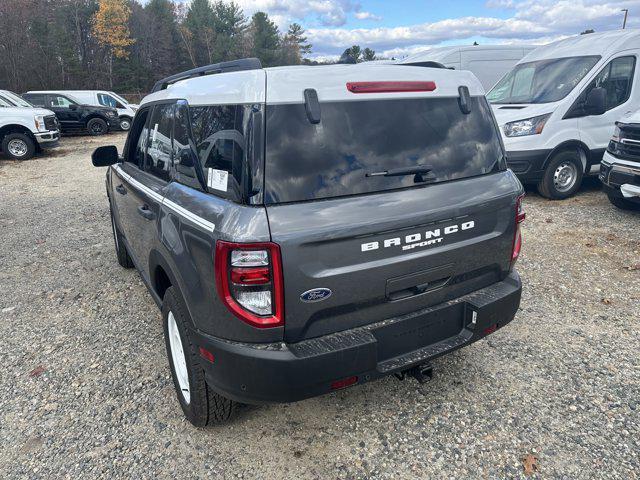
point(268, 373)
point(528, 165)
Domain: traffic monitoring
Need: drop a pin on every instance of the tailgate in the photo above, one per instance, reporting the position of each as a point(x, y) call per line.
point(388, 254)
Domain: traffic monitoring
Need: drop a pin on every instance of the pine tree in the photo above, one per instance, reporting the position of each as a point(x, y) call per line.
point(368, 55)
point(230, 26)
point(265, 39)
point(297, 33)
point(200, 35)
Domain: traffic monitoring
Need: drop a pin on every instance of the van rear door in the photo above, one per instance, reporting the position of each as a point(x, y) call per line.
point(388, 205)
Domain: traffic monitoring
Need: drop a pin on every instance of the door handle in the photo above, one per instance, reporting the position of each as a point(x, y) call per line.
point(144, 211)
point(121, 190)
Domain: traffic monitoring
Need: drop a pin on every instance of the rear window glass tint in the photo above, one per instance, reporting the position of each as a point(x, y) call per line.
point(331, 159)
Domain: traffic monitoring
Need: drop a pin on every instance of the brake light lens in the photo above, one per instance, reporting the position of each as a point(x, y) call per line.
point(517, 239)
point(390, 87)
point(249, 282)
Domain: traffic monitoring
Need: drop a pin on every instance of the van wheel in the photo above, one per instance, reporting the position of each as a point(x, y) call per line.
point(201, 405)
point(562, 177)
point(18, 146)
point(121, 251)
point(97, 126)
point(623, 203)
point(125, 124)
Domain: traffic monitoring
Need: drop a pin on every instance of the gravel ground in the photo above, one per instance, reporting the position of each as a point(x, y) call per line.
point(85, 388)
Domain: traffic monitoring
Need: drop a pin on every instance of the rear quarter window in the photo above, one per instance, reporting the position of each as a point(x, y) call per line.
point(332, 159)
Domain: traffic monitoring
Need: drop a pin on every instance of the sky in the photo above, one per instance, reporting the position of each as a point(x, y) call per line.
point(399, 28)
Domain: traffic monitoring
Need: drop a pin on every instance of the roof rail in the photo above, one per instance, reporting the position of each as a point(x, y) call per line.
point(213, 69)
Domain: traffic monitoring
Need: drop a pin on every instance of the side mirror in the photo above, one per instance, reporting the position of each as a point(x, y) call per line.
point(73, 106)
point(105, 156)
point(596, 101)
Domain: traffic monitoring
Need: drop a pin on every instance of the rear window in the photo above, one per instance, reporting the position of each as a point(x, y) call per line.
point(353, 139)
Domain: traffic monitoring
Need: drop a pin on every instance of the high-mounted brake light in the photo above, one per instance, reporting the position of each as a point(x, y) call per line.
point(249, 281)
point(390, 87)
point(517, 238)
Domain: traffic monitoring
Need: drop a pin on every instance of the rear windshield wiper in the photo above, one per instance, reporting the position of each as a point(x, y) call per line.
point(399, 172)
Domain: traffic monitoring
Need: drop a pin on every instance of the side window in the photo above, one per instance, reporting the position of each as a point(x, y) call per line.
point(60, 101)
point(137, 140)
point(617, 79)
point(108, 101)
point(36, 99)
point(158, 159)
point(184, 158)
point(220, 143)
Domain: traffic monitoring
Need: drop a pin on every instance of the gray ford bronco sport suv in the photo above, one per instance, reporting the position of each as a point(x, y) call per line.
point(305, 229)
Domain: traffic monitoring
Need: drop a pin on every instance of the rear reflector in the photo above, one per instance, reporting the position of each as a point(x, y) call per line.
point(206, 354)
point(344, 383)
point(250, 276)
point(517, 238)
point(390, 87)
point(490, 329)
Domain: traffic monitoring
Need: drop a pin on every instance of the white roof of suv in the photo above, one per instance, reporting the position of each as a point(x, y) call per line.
point(287, 84)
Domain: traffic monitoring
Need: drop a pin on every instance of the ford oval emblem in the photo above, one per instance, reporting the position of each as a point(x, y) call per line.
point(315, 295)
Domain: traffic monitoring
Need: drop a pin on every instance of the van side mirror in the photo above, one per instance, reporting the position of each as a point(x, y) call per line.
point(105, 156)
point(73, 106)
point(596, 101)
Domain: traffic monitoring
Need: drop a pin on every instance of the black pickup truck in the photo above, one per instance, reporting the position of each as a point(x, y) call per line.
point(75, 117)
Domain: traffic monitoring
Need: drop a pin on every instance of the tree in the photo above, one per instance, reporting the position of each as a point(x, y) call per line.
point(265, 39)
point(355, 52)
point(230, 26)
point(368, 55)
point(296, 32)
point(110, 27)
point(198, 32)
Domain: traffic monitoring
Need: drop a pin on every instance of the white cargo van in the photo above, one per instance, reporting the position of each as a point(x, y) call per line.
point(487, 62)
point(126, 110)
point(558, 106)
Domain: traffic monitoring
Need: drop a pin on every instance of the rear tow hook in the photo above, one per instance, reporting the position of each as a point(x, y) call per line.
point(422, 373)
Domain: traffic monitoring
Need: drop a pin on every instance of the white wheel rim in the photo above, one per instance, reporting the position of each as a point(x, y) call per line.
point(125, 125)
point(178, 359)
point(17, 148)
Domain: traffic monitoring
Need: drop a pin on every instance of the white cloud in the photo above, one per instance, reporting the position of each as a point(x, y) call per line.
point(533, 21)
point(368, 16)
point(326, 12)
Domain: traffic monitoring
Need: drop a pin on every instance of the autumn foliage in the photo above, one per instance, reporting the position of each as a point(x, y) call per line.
point(111, 28)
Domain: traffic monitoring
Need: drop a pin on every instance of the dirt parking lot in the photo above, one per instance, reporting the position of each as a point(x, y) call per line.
point(85, 390)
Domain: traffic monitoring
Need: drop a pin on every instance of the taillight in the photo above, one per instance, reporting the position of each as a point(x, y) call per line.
point(517, 238)
point(249, 281)
point(390, 87)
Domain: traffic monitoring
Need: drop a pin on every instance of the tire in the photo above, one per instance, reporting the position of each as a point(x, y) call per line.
point(125, 124)
point(563, 176)
point(97, 126)
point(623, 203)
point(121, 251)
point(200, 405)
point(18, 146)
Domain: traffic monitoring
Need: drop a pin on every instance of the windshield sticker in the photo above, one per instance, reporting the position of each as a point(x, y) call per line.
point(218, 179)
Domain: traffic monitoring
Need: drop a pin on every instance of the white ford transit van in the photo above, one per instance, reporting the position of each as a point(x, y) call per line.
point(487, 62)
point(126, 110)
point(558, 106)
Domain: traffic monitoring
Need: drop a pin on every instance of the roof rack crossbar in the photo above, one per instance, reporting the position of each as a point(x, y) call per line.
point(222, 67)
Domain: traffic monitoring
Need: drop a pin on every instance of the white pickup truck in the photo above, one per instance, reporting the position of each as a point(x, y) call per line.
point(25, 129)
